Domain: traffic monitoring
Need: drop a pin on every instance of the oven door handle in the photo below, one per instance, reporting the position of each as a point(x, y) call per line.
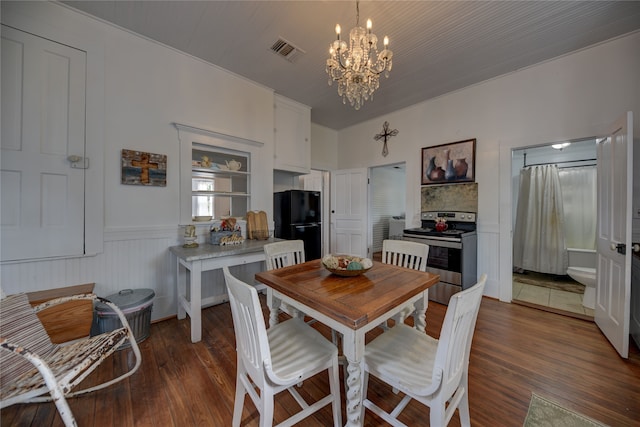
point(446, 242)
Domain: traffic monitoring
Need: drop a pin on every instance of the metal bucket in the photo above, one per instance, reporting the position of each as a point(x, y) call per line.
point(136, 304)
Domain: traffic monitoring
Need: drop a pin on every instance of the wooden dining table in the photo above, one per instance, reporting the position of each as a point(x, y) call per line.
point(351, 306)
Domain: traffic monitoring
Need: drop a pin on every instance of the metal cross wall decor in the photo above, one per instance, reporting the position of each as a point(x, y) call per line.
point(385, 134)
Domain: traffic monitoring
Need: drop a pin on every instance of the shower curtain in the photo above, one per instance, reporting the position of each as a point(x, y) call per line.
point(539, 240)
point(579, 198)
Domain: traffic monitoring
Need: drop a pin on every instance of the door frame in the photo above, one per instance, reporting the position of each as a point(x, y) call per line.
point(403, 164)
point(505, 224)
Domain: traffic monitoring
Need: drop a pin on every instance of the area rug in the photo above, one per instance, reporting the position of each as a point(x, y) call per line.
point(545, 413)
point(561, 283)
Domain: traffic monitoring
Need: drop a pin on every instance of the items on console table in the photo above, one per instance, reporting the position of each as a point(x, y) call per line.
point(227, 233)
point(190, 237)
point(257, 226)
point(208, 257)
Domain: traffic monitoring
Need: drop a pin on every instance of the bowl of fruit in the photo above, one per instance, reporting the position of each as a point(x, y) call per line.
point(346, 265)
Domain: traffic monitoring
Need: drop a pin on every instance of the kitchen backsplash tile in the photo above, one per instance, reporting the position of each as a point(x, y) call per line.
point(450, 197)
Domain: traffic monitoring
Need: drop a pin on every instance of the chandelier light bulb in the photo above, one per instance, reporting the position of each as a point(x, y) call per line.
point(338, 30)
point(369, 25)
point(386, 41)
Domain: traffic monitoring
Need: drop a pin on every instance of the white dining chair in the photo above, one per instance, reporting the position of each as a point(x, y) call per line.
point(276, 359)
point(431, 371)
point(405, 254)
point(283, 254)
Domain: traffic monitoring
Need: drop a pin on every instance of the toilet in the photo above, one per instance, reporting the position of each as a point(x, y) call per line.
point(582, 269)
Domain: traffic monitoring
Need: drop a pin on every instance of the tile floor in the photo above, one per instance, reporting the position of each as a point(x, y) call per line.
point(559, 300)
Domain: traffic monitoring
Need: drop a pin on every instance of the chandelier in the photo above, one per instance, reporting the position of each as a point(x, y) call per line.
point(357, 68)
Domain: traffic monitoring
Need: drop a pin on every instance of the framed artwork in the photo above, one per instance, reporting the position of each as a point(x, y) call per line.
point(449, 163)
point(141, 168)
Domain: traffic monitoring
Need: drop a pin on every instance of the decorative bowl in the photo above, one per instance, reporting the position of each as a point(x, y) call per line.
point(337, 264)
point(202, 218)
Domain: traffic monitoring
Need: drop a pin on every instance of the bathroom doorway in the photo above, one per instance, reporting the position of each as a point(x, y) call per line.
point(566, 170)
point(387, 202)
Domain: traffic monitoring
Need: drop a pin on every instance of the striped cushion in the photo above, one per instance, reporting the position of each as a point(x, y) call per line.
point(20, 325)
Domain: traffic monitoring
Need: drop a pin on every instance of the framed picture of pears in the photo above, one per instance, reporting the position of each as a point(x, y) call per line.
point(449, 163)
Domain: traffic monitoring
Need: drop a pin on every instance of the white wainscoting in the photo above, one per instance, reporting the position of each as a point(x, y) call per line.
point(488, 257)
point(140, 259)
point(131, 259)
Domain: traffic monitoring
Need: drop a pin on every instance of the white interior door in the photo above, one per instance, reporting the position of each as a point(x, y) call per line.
point(349, 212)
point(43, 123)
point(615, 179)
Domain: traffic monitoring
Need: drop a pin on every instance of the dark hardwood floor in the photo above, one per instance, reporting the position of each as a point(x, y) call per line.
point(516, 350)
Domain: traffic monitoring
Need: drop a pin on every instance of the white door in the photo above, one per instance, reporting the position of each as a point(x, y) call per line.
point(43, 117)
point(349, 212)
point(615, 179)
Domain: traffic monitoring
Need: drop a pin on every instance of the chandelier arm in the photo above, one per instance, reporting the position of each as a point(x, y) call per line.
point(339, 56)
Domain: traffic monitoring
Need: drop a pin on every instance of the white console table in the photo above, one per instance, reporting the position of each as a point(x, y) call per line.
point(208, 257)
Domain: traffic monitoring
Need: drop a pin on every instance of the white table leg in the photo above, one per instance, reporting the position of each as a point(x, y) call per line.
point(420, 313)
point(195, 303)
point(274, 307)
point(353, 349)
point(181, 284)
point(354, 394)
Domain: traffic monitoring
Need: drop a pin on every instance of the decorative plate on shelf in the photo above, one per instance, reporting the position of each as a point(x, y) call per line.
point(346, 265)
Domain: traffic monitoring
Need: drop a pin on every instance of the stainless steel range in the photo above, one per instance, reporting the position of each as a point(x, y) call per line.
point(452, 252)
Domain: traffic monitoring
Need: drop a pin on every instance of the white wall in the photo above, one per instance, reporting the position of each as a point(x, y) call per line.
point(136, 90)
point(575, 96)
point(324, 148)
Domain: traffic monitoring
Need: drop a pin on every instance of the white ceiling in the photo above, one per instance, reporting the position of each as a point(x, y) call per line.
point(438, 46)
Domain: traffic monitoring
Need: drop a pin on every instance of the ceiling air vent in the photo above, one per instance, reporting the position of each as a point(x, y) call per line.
point(287, 50)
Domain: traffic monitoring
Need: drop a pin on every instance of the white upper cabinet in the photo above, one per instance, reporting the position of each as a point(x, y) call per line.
point(292, 136)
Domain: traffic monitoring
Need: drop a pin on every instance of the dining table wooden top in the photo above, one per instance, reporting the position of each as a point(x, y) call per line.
point(353, 301)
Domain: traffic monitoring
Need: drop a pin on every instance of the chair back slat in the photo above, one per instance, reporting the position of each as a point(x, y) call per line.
point(406, 254)
point(284, 253)
point(454, 345)
point(20, 324)
point(250, 330)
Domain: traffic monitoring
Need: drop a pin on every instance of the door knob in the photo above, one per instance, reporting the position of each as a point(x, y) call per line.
point(78, 162)
point(620, 247)
point(635, 247)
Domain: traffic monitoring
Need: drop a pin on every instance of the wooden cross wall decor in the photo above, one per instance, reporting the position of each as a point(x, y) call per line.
point(142, 168)
point(385, 134)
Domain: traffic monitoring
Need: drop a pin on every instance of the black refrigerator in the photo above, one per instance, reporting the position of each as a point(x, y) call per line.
point(297, 216)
